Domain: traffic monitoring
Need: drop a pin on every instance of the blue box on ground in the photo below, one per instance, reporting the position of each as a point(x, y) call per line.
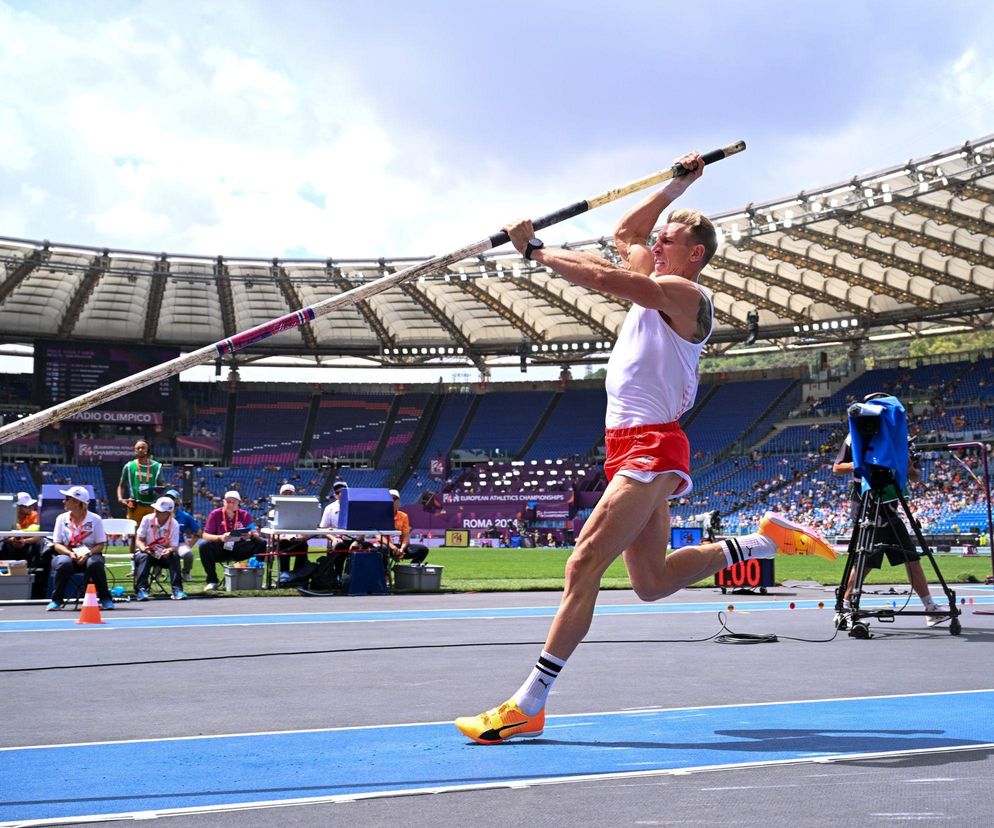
point(365, 510)
point(365, 575)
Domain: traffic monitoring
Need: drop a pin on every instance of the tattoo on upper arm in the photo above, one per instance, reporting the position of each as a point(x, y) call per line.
point(703, 320)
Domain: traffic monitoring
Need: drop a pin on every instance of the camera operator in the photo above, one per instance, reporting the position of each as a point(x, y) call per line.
point(891, 535)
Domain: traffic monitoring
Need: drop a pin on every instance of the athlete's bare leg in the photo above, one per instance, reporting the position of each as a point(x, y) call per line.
point(654, 573)
point(631, 518)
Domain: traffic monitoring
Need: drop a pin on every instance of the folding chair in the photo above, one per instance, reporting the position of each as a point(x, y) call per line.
point(119, 528)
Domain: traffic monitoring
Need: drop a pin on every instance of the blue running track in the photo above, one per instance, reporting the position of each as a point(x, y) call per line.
point(242, 771)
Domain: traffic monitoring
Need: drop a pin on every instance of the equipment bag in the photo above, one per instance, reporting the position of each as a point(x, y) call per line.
point(324, 579)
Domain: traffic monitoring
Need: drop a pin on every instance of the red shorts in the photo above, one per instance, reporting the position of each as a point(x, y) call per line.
point(651, 448)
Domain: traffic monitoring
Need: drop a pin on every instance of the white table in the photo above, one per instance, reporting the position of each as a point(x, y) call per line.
point(272, 533)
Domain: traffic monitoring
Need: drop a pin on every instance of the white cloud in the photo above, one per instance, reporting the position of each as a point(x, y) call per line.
point(193, 131)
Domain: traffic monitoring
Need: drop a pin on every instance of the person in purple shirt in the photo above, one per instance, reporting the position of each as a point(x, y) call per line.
point(229, 535)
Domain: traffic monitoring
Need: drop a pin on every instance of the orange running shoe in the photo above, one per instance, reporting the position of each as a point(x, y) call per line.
point(793, 538)
point(501, 723)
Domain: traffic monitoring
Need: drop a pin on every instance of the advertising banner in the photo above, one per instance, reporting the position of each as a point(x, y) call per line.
point(129, 417)
point(113, 448)
point(487, 512)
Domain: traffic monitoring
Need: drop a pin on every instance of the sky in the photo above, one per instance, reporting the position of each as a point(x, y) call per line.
point(363, 129)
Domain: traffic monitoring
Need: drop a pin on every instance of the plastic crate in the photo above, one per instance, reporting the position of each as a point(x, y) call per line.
point(238, 578)
point(15, 587)
point(418, 578)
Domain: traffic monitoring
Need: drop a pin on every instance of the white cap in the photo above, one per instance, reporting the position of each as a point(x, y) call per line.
point(233, 493)
point(78, 492)
point(288, 487)
point(164, 504)
point(395, 493)
point(24, 499)
point(339, 484)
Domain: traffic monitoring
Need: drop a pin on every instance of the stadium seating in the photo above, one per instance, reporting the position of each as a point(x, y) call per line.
point(349, 425)
point(269, 429)
point(751, 452)
point(504, 421)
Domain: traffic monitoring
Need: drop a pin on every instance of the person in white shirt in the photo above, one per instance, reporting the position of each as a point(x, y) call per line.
point(338, 547)
point(329, 518)
point(78, 542)
point(157, 544)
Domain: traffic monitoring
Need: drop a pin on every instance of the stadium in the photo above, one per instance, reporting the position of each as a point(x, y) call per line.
point(903, 251)
point(811, 283)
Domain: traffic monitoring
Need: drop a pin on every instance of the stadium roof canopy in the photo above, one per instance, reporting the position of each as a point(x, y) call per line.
point(905, 249)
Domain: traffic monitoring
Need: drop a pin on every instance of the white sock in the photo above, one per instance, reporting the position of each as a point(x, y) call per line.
point(532, 694)
point(748, 546)
point(928, 602)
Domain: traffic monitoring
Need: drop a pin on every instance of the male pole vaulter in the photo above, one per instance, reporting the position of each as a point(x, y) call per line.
point(651, 381)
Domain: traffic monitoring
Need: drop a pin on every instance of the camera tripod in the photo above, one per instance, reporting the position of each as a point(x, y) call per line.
point(863, 545)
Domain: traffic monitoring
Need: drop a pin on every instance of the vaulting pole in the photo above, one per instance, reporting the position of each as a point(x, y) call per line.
point(248, 337)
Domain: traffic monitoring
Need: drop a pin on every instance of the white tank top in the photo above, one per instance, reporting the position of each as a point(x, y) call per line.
point(652, 372)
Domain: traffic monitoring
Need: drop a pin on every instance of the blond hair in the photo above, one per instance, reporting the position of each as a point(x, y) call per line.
point(702, 230)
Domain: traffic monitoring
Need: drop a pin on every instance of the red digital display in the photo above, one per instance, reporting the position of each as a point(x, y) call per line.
point(749, 574)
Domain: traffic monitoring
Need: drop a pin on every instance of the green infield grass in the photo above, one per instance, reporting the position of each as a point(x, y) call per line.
point(517, 570)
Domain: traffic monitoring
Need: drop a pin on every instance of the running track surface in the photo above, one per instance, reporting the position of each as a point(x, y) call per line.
point(248, 770)
point(120, 621)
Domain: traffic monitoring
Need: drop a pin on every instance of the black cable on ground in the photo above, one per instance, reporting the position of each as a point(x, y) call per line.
point(729, 637)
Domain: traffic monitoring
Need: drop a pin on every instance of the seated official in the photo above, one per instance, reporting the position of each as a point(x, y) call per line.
point(394, 551)
point(292, 549)
point(31, 548)
point(338, 546)
point(189, 533)
point(229, 535)
point(157, 543)
point(78, 542)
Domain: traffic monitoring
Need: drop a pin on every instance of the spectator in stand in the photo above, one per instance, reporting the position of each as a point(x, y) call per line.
point(78, 544)
point(138, 487)
point(401, 549)
point(29, 548)
point(157, 543)
point(229, 535)
point(292, 549)
point(189, 532)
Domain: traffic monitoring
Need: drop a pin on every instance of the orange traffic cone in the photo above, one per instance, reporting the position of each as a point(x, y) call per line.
point(90, 614)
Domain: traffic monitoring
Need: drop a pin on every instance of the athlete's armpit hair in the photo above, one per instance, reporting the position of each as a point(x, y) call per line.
point(703, 320)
